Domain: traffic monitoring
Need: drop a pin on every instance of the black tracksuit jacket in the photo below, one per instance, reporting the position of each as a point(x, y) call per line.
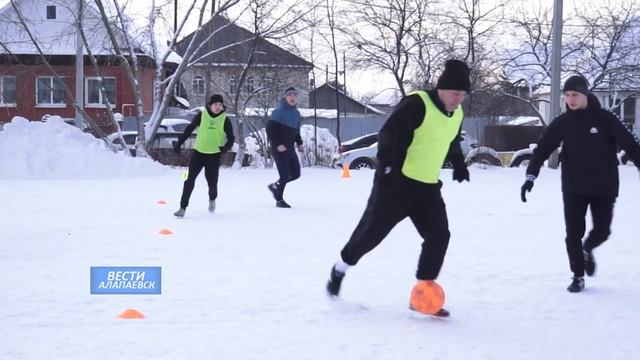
point(588, 158)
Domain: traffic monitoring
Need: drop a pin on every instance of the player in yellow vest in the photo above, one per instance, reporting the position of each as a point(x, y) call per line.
point(421, 133)
point(213, 126)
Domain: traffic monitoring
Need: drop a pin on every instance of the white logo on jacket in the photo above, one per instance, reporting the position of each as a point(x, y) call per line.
point(593, 130)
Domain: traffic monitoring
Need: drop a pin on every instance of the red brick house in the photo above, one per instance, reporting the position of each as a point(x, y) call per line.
point(29, 89)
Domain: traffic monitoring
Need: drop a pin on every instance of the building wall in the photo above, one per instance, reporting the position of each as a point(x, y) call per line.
point(26, 92)
point(221, 77)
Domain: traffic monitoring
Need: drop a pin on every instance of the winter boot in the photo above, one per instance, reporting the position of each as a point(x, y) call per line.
point(282, 204)
point(577, 284)
point(179, 213)
point(335, 280)
point(274, 190)
point(212, 206)
point(589, 263)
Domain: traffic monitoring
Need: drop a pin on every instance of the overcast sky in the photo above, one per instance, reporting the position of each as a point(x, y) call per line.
point(360, 82)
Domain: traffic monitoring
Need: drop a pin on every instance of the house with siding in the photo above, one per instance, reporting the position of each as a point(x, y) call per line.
point(28, 88)
point(272, 70)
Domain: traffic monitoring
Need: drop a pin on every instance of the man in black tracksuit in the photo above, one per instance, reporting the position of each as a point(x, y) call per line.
point(421, 133)
point(283, 130)
point(589, 136)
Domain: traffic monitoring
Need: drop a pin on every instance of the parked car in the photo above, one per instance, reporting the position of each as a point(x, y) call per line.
point(173, 125)
point(129, 139)
point(362, 158)
point(365, 157)
point(359, 142)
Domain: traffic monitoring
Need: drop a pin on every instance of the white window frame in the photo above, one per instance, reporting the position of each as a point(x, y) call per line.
point(250, 85)
point(51, 104)
point(233, 85)
point(101, 104)
point(2, 103)
point(197, 79)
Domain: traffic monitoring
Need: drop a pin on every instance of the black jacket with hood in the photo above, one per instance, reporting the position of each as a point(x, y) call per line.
point(588, 158)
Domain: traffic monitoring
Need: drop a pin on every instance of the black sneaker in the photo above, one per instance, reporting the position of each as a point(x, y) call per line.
point(577, 284)
point(335, 280)
point(274, 190)
point(589, 263)
point(282, 204)
point(441, 313)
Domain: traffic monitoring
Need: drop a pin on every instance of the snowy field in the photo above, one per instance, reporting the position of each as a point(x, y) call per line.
point(248, 282)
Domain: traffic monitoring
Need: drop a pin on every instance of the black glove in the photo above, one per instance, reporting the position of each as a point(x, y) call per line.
point(176, 147)
point(460, 174)
point(224, 149)
point(526, 187)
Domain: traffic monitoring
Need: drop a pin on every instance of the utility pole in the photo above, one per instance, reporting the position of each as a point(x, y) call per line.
point(556, 66)
point(79, 68)
point(175, 16)
point(344, 80)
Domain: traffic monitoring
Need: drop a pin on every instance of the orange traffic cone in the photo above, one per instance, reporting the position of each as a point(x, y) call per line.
point(165, 232)
point(161, 202)
point(131, 314)
point(345, 171)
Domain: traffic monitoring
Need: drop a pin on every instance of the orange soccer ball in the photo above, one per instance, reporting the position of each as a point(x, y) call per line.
point(427, 297)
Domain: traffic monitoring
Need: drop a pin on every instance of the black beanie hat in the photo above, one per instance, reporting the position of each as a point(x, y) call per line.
point(216, 98)
point(577, 83)
point(291, 90)
point(455, 76)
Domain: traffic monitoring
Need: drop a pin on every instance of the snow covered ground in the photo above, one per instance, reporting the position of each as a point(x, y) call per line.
point(248, 282)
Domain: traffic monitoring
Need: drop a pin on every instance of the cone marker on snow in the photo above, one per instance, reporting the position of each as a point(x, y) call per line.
point(165, 232)
point(161, 202)
point(131, 314)
point(345, 171)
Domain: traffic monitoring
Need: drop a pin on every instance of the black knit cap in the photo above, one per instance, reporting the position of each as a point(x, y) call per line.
point(455, 76)
point(577, 83)
point(291, 90)
point(216, 98)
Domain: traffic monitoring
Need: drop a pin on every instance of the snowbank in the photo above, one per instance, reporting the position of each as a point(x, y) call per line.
point(54, 150)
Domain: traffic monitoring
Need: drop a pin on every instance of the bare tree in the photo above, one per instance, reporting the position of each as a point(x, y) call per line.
point(387, 34)
point(269, 21)
point(531, 62)
point(609, 48)
point(68, 98)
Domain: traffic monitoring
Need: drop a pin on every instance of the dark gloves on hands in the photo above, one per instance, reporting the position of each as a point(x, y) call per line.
point(526, 187)
point(460, 174)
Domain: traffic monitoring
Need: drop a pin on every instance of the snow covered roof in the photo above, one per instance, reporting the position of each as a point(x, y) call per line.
point(304, 112)
point(53, 24)
point(349, 98)
point(174, 58)
point(387, 97)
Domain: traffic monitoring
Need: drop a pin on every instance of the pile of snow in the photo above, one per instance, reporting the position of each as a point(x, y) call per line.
point(327, 146)
point(54, 150)
point(520, 120)
point(257, 145)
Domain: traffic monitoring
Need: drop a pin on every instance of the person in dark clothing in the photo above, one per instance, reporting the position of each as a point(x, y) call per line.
point(214, 126)
point(283, 130)
point(413, 144)
point(589, 165)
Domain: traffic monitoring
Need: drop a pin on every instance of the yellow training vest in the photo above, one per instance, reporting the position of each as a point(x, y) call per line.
point(431, 142)
point(211, 133)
